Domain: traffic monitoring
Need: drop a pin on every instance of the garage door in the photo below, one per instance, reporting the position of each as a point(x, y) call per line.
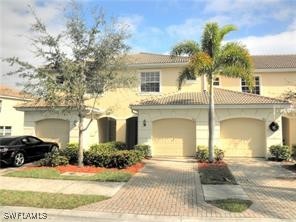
point(243, 137)
point(173, 137)
point(53, 130)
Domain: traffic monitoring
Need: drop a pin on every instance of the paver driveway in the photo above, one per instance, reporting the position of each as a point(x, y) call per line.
point(172, 187)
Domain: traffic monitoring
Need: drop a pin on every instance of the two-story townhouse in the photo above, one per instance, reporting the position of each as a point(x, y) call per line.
point(11, 120)
point(174, 122)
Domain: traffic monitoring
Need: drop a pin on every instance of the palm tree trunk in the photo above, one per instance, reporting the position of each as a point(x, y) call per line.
point(211, 120)
point(80, 141)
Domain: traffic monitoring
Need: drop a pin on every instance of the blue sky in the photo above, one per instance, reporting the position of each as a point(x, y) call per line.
point(265, 26)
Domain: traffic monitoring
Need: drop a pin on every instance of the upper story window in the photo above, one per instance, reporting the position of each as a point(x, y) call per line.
point(256, 89)
point(150, 82)
point(5, 131)
point(216, 81)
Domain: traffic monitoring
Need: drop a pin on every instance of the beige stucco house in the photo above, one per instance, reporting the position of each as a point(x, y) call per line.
point(174, 122)
point(11, 120)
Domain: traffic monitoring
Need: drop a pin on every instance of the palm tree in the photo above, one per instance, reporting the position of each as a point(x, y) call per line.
point(211, 59)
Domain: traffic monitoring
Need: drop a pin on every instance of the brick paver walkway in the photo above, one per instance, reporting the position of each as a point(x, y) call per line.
point(172, 187)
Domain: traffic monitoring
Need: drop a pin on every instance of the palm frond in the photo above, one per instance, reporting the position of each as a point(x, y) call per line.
point(235, 54)
point(210, 40)
point(187, 48)
point(201, 62)
point(235, 71)
point(187, 73)
point(226, 29)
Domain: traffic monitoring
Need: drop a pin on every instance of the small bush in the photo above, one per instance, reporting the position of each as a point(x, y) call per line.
point(102, 148)
point(71, 152)
point(145, 149)
point(219, 154)
point(118, 145)
point(53, 160)
point(280, 152)
point(294, 151)
point(202, 153)
point(114, 159)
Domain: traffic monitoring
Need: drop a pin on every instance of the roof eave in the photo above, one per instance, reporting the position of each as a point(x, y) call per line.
point(157, 65)
point(217, 106)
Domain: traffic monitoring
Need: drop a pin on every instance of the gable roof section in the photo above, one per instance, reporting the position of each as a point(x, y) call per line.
point(221, 97)
point(10, 92)
point(260, 61)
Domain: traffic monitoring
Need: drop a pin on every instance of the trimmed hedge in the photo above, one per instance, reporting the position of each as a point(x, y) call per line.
point(202, 153)
point(114, 159)
point(53, 160)
point(280, 152)
point(145, 149)
point(71, 152)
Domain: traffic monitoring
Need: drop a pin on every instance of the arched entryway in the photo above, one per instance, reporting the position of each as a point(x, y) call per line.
point(53, 130)
point(107, 129)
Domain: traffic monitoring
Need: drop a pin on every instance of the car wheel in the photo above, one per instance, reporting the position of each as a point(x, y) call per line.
point(54, 149)
point(19, 159)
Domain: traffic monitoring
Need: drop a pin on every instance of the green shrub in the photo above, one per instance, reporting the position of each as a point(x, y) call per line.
point(145, 149)
point(113, 159)
point(293, 151)
point(71, 152)
point(202, 153)
point(102, 147)
point(53, 159)
point(280, 152)
point(219, 154)
point(118, 145)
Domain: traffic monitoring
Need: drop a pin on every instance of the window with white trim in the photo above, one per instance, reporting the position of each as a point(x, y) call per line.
point(5, 131)
point(150, 82)
point(256, 89)
point(216, 81)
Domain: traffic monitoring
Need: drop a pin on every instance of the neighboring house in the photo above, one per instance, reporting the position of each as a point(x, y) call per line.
point(174, 122)
point(11, 120)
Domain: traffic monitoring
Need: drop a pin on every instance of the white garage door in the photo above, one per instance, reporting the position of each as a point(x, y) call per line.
point(56, 130)
point(173, 137)
point(243, 137)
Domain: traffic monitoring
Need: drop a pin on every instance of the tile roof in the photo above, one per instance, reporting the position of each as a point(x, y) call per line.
point(221, 97)
point(260, 61)
point(12, 92)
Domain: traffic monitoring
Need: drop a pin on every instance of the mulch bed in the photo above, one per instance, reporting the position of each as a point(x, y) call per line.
point(91, 169)
point(215, 173)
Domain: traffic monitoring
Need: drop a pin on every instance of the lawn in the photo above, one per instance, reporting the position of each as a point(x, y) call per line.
point(52, 173)
point(215, 173)
point(46, 200)
point(232, 205)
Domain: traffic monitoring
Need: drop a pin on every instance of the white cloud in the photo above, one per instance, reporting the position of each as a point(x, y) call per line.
point(282, 43)
point(190, 29)
point(131, 22)
point(16, 20)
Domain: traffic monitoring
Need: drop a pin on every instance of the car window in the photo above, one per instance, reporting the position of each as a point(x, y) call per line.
point(6, 141)
point(33, 140)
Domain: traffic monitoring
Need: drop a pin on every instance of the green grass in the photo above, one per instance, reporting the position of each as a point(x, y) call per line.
point(232, 205)
point(47, 173)
point(46, 200)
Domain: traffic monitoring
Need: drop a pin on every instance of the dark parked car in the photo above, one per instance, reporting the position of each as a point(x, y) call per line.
point(17, 150)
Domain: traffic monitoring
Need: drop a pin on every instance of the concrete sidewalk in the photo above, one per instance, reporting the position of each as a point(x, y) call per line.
point(77, 216)
point(60, 186)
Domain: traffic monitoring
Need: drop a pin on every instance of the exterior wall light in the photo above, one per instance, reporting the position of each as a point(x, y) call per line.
point(144, 122)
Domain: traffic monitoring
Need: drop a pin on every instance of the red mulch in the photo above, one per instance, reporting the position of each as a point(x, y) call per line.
point(218, 164)
point(91, 169)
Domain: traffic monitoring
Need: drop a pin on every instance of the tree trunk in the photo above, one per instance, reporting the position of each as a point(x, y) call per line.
point(211, 120)
point(80, 142)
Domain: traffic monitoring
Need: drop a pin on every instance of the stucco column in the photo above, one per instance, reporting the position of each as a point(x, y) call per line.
point(120, 129)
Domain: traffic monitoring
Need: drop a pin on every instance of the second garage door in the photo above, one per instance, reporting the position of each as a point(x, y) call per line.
point(243, 137)
point(173, 137)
